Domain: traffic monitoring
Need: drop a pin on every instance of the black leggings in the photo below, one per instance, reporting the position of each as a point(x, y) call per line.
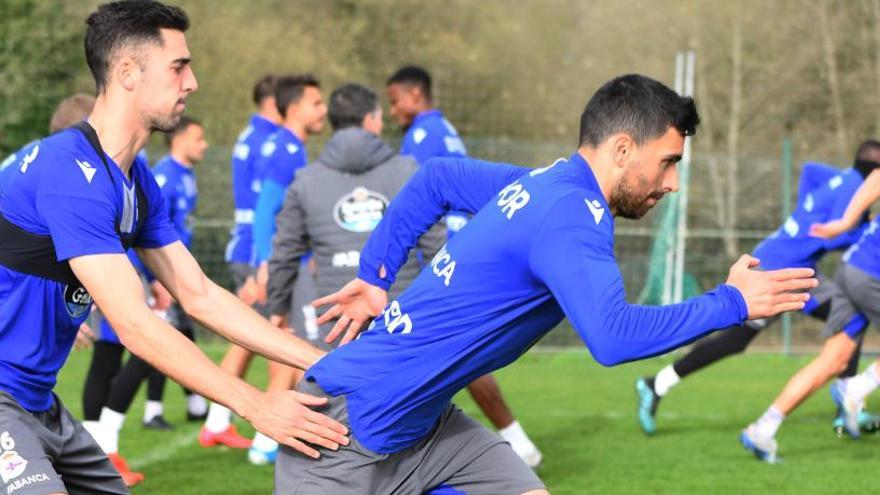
point(106, 361)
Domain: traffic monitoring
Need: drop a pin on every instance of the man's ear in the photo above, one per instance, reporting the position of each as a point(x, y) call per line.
point(622, 149)
point(127, 71)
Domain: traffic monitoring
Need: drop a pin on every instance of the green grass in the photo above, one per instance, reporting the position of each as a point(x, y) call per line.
point(582, 417)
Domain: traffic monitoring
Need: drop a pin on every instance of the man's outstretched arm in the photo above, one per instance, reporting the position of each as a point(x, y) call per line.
point(115, 287)
point(574, 258)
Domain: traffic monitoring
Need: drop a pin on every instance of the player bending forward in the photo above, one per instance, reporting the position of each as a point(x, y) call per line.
point(539, 248)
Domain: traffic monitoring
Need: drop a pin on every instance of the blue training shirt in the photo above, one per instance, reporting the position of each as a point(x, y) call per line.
point(246, 187)
point(280, 157)
point(540, 248)
point(63, 191)
point(432, 136)
point(178, 185)
point(791, 244)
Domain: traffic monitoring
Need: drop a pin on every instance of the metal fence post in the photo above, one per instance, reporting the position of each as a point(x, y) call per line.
point(786, 212)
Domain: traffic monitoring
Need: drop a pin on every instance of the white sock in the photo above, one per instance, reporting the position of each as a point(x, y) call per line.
point(859, 386)
point(263, 443)
point(219, 418)
point(517, 438)
point(111, 422)
point(665, 380)
point(152, 409)
point(196, 404)
point(768, 424)
point(97, 432)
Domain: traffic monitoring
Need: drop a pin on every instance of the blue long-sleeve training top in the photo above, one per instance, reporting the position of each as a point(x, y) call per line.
point(540, 248)
point(280, 157)
point(246, 187)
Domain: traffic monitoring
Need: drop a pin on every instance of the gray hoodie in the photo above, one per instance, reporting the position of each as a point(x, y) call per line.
point(332, 207)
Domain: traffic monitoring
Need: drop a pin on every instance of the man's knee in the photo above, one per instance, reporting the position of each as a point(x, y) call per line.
point(838, 350)
point(537, 492)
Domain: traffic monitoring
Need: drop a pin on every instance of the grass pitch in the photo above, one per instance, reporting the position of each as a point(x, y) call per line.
point(582, 417)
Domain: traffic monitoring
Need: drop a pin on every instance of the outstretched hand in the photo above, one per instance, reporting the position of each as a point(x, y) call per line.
point(772, 292)
point(286, 417)
point(355, 305)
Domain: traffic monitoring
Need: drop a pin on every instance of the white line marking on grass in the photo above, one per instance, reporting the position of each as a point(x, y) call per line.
point(165, 451)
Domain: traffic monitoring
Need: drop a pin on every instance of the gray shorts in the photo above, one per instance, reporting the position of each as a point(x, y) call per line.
point(49, 452)
point(854, 302)
point(302, 315)
point(459, 454)
point(239, 273)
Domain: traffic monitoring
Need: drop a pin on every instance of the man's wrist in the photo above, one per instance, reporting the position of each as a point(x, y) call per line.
point(243, 399)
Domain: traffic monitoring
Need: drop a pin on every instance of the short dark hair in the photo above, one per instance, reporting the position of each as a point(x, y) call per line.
point(412, 75)
point(289, 90)
point(182, 125)
point(639, 106)
point(264, 88)
point(117, 24)
point(349, 104)
point(869, 150)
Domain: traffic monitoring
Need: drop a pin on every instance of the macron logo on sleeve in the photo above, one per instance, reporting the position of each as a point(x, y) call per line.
point(596, 209)
point(87, 169)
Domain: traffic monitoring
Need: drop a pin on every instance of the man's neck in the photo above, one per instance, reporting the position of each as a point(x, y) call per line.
point(422, 109)
point(268, 115)
point(120, 130)
point(180, 158)
point(298, 129)
point(602, 170)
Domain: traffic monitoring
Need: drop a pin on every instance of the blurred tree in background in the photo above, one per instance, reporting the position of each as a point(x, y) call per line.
point(40, 58)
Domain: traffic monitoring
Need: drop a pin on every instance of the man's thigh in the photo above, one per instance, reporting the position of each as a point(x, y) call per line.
point(844, 316)
point(84, 467)
point(466, 458)
point(50, 452)
point(26, 453)
point(352, 469)
point(864, 291)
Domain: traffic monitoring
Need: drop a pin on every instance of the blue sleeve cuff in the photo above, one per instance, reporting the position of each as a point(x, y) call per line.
point(735, 296)
point(371, 276)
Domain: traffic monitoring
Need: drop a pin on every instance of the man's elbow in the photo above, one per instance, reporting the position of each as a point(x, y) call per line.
point(607, 358)
point(607, 354)
point(195, 297)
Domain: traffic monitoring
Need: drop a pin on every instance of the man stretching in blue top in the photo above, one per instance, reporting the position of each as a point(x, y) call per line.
point(67, 215)
point(539, 248)
point(429, 135)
